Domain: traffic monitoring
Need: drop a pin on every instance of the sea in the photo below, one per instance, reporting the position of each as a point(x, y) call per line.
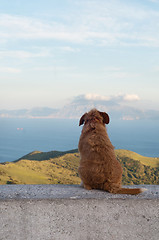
point(19, 137)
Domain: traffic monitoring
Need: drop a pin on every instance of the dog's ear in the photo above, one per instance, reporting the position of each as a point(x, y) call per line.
point(82, 119)
point(105, 116)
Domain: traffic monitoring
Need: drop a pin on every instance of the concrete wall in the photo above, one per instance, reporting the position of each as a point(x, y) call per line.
point(61, 212)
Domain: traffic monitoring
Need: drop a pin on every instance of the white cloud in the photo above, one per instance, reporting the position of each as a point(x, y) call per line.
point(95, 97)
point(112, 72)
point(117, 22)
point(118, 73)
point(55, 68)
point(20, 27)
point(107, 23)
point(119, 98)
point(112, 69)
point(9, 70)
point(24, 54)
point(131, 97)
point(69, 49)
point(121, 75)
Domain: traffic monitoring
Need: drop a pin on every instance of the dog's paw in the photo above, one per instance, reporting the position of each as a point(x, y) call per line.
point(87, 187)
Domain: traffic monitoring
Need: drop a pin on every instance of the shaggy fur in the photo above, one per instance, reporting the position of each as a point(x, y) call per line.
point(99, 168)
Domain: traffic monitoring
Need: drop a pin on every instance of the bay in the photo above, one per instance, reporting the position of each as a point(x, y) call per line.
point(22, 136)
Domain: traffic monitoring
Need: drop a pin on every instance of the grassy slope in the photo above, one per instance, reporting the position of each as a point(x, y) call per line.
point(61, 167)
point(40, 156)
point(56, 170)
point(148, 161)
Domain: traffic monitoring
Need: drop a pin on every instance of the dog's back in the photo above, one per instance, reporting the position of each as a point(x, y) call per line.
point(99, 168)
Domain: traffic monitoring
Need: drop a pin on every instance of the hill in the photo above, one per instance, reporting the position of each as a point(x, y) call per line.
point(40, 156)
point(62, 168)
point(148, 161)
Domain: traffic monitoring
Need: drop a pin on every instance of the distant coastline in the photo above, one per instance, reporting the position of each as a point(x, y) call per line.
point(75, 109)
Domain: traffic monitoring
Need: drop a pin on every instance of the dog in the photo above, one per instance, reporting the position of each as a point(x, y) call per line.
point(99, 168)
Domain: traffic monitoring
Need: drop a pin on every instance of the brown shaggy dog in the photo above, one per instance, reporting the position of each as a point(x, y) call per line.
point(99, 168)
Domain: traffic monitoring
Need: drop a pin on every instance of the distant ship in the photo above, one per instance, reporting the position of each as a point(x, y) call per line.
point(19, 129)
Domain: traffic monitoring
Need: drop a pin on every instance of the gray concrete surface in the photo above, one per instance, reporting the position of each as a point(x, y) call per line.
point(70, 192)
point(68, 212)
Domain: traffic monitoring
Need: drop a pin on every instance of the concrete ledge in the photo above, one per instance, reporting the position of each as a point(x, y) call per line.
point(61, 212)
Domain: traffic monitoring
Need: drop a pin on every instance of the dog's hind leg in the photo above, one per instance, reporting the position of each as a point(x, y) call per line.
point(87, 187)
point(111, 187)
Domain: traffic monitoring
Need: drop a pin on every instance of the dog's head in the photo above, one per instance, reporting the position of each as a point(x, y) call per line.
point(94, 116)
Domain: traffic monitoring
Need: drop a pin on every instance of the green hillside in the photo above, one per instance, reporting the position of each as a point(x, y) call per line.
point(40, 156)
point(61, 168)
point(148, 161)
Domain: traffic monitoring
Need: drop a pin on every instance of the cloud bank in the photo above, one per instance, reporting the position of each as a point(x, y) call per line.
point(116, 106)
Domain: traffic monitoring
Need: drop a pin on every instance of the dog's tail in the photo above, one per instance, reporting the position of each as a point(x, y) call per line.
point(132, 191)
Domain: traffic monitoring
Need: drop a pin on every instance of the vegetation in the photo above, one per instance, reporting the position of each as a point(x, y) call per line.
point(62, 168)
point(148, 161)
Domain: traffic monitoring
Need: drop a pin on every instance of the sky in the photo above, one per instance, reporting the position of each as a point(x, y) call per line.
point(52, 52)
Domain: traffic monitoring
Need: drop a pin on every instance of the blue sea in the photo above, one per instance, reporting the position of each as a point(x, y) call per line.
point(19, 137)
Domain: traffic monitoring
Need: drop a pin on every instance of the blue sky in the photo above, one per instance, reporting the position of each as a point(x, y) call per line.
point(53, 51)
